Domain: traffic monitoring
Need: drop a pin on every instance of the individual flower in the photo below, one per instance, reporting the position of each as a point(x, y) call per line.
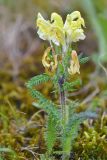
point(57, 32)
point(73, 27)
point(74, 64)
point(49, 61)
point(51, 31)
point(43, 27)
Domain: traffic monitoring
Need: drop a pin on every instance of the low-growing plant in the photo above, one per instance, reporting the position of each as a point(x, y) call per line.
point(62, 65)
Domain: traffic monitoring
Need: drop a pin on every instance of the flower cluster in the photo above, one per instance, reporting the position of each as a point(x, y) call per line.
point(62, 35)
point(58, 32)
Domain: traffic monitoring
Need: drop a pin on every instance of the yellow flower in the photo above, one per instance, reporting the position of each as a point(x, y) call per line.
point(59, 33)
point(51, 31)
point(74, 20)
point(57, 20)
point(43, 27)
point(73, 27)
point(77, 35)
point(49, 61)
point(74, 64)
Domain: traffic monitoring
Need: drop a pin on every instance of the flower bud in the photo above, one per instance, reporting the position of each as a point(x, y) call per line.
point(49, 61)
point(74, 64)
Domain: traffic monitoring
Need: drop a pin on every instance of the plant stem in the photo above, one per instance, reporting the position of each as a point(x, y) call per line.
point(64, 108)
point(62, 99)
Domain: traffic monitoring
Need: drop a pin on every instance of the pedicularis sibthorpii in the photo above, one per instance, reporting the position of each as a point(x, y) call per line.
point(61, 64)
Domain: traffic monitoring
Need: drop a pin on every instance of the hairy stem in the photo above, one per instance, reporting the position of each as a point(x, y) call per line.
point(64, 108)
point(62, 99)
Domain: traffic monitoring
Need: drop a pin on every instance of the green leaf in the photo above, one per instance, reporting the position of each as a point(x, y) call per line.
point(49, 107)
point(84, 60)
point(88, 6)
point(72, 105)
point(37, 80)
point(69, 85)
point(103, 23)
point(43, 102)
point(72, 128)
point(51, 133)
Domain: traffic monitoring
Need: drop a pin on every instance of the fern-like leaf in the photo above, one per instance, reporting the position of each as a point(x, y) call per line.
point(72, 105)
point(84, 60)
point(48, 106)
point(72, 128)
point(43, 102)
point(68, 86)
point(37, 80)
point(51, 133)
